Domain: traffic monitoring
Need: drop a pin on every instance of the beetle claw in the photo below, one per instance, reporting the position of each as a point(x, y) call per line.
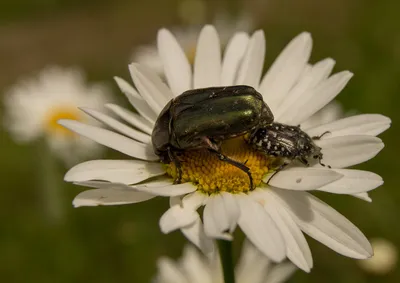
point(322, 164)
point(177, 181)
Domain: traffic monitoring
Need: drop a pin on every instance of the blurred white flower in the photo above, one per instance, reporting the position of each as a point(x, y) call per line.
point(147, 55)
point(275, 213)
point(34, 105)
point(253, 267)
point(384, 259)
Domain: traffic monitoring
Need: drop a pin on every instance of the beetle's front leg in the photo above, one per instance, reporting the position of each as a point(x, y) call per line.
point(178, 166)
point(319, 156)
point(237, 164)
point(277, 170)
point(304, 161)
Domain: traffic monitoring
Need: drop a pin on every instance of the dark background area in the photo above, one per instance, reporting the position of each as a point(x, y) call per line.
point(122, 243)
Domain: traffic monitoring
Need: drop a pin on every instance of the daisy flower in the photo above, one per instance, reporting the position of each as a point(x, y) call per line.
point(34, 105)
point(252, 267)
point(148, 55)
point(273, 216)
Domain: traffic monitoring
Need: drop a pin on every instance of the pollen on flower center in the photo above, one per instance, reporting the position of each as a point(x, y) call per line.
point(51, 125)
point(212, 175)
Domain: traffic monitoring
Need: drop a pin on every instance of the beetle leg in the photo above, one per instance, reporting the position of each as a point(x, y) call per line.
point(237, 164)
point(321, 135)
point(304, 161)
point(178, 166)
point(277, 170)
point(322, 164)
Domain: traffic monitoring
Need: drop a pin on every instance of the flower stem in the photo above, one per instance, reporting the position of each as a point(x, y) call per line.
point(225, 252)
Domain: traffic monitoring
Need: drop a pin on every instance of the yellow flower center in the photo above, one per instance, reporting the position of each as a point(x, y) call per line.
point(51, 125)
point(211, 175)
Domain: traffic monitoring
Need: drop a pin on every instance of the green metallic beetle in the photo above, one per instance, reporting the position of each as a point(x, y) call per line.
point(203, 118)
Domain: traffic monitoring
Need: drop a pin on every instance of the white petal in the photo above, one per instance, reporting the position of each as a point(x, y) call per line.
point(297, 249)
point(194, 200)
point(207, 63)
point(231, 209)
point(137, 101)
point(234, 53)
point(347, 151)
point(132, 118)
point(111, 140)
point(286, 70)
point(252, 265)
point(253, 61)
point(210, 224)
point(353, 182)
point(366, 124)
point(363, 196)
point(197, 269)
point(329, 113)
point(169, 272)
point(303, 179)
point(310, 78)
point(220, 216)
point(260, 229)
point(113, 195)
point(176, 65)
point(119, 171)
point(118, 126)
point(182, 212)
point(280, 273)
point(324, 224)
point(195, 234)
point(317, 98)
point(103, 185)
point(151, 87)
point(177, 217)
point(126, 88)
point(165, 188)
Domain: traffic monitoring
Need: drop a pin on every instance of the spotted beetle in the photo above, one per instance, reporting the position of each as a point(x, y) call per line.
point(203, 118)
point(287, 142)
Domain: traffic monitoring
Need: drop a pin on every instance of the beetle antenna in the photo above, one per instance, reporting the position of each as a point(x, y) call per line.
point(321, 135)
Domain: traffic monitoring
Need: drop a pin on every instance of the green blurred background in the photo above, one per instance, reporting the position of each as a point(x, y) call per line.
point(121, 243)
